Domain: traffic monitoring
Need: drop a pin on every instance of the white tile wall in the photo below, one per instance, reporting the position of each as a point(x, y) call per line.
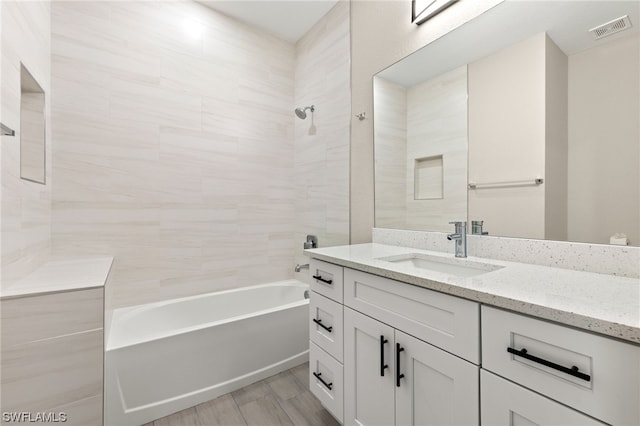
point(390, 138)
point(52, 351)
point(410, 125)
point(176, 147)
point(175, 132)
point(437, 125)
point(25, 206)
point(321, 176)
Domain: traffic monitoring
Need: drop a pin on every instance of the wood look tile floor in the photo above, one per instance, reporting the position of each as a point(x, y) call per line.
point(283, 399)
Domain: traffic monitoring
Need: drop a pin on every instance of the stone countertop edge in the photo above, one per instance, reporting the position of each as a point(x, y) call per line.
point(509, 299)
point(58, 276)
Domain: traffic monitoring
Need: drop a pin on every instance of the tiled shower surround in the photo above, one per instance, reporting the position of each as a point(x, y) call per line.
point(26, 206)
point(175, 149)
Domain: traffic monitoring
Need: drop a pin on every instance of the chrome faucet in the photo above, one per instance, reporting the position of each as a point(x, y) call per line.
point(460, 238)
point(301, 267)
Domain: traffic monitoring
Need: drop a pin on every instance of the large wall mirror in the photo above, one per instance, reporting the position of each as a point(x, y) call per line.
point(32, 128)
point(522, 118)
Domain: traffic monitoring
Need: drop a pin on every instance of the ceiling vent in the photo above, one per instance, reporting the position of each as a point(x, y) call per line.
point(611, 27)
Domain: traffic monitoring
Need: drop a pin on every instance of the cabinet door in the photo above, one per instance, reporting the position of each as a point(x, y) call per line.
point(505, 403)
point(437, 388)
point(368, 389)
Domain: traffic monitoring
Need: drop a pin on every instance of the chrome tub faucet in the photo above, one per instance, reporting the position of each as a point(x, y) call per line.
point(301, 267)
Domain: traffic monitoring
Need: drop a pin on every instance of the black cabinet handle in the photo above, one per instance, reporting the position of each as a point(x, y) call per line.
point(328, 385)
point(319, 322)
point(319, 278)
point(383, 366)
point(573, 371)
point(398, 375)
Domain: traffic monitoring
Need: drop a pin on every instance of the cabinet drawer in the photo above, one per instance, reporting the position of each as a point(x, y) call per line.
point(444, 321)
point(325, 380)
point(326, 279)
point(609, 389)
point(505, 403)
point(326, 324)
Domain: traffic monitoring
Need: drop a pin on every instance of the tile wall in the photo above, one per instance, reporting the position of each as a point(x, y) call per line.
point(175, 142)
point(409, 128)
point(25, 206)
point(321, 160)
point(390, 134)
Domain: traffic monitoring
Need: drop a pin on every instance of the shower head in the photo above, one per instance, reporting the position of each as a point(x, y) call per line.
point(301, 112)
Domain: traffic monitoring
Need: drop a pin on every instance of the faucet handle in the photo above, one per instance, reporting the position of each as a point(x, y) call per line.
point(461, 226)
point(312, 242)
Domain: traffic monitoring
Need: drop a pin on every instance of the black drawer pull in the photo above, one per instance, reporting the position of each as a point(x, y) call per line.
point(573, 371)
point(328, 385)
point(319, 322)
point(319, 278)
point(398, 375)
point(383, 366)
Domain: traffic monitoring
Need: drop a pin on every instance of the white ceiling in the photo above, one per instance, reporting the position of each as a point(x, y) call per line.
point(286, 19)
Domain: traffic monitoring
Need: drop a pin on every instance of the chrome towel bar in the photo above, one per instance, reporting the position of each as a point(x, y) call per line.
point(506, 184)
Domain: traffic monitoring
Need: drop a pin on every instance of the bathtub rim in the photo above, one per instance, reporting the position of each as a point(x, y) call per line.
point(117, 315)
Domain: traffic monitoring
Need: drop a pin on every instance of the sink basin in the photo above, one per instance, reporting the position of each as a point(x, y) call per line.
point(453, 266)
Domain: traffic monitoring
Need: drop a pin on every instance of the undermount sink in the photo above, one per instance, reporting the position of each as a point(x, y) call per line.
point(453, 266)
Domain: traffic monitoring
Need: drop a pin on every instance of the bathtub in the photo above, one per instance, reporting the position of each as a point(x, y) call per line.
point(164, 357)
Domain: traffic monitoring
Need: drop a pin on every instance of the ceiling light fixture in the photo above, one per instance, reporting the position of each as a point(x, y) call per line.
point(421, 10)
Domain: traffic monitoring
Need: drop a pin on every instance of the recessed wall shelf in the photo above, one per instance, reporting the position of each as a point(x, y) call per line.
point(428, 178)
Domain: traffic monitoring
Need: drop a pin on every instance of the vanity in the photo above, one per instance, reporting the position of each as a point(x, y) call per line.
point(541, 323)
point(400, 335)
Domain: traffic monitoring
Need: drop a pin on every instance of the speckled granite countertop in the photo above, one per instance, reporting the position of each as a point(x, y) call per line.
point(600, 303)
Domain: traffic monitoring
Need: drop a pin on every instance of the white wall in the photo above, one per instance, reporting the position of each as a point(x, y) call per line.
point(26, 206)
point(604, 139)
point(174, 132)
point(518, 132)
point(507, 138)
point(381, 34)
point(556, 142)
point(321, 157)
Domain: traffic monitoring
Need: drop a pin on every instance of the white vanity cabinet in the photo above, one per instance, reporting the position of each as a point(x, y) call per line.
point(409, 355)
point(393, 377)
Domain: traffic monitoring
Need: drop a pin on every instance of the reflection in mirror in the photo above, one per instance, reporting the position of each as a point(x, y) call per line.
point(32, 128)
point(550, 115)
point(421, 152)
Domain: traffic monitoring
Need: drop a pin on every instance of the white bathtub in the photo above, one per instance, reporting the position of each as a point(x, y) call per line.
point(168, 356)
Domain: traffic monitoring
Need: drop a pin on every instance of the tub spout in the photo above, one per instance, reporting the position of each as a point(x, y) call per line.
point(301, 267)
